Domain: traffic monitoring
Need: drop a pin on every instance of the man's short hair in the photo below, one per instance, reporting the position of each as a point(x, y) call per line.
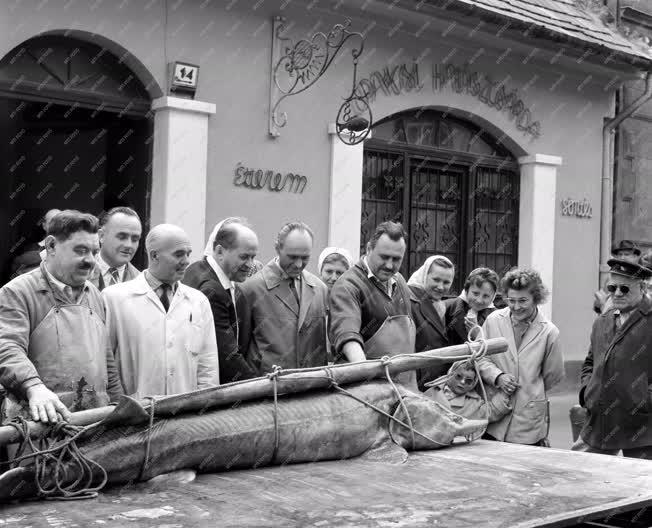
point(287, 229)
point(105, 217)
point(227, 235)
point(68, 222)
point(394, 230)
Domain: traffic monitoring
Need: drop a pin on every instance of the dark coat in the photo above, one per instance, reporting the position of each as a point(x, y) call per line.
point(431, 333)
point(456, 310)
point(233, 364)
point(273, 331)
point(616, 381)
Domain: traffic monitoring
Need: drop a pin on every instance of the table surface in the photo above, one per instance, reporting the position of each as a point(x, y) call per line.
point(482, 484)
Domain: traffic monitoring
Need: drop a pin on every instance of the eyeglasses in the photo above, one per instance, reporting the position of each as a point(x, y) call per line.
point(611, 288)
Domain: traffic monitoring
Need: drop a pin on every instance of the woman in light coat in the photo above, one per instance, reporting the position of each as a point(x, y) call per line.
point(532, 365)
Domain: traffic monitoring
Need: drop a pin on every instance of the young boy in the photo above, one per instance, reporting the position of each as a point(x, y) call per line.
point(457, 391)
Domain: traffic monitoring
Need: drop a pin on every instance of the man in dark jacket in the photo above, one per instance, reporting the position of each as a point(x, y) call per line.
point(234, 249)
point(616, 381)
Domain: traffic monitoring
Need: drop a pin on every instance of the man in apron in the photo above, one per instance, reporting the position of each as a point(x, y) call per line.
point(54, 348)
point(370, 304)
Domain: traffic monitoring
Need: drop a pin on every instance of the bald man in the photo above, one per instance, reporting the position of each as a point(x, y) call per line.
point(162, 331)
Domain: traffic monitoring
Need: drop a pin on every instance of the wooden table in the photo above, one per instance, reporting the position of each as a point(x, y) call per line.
point(479, 485)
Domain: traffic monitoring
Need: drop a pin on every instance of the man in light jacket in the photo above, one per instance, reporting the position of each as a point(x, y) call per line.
point(162, 331)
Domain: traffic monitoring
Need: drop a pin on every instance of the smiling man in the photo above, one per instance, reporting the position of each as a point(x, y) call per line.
point(370, 304)
point(161, 331)
point(234, 250)
point(284, 307)
point(120, 232)
point(54, 349)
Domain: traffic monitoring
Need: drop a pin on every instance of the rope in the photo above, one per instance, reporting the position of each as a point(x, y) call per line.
point(400, 400)
point(273, 375)
point(54, 461)
point(481, 353)
point(148, 441)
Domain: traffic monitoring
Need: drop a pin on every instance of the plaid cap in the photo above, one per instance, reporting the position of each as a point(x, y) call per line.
point(628, 269)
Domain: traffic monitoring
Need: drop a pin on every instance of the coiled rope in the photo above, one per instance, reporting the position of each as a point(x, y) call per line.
point(55, 457)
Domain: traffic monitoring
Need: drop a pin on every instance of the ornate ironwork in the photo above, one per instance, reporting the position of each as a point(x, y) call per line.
point(302, 65)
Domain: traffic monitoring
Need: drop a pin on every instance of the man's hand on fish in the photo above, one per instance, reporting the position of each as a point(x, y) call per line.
point(507, 383)
point(45, 404)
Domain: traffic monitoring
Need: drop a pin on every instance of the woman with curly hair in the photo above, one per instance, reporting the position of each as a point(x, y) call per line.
point(533, 363)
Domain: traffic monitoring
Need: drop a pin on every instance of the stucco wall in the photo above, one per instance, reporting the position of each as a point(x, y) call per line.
point(231, 44)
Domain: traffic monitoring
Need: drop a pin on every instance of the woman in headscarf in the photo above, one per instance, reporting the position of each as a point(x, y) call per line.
point(332, 264)
point(427, 287)
point(472, 306)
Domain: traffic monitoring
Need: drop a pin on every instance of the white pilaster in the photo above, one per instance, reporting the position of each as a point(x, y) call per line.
point(538, 201)
point(179, 166)
point(345, 209)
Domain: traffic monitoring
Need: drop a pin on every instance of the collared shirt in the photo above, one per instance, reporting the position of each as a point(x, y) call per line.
point(72, 293)
point(285, 276)
point(156, 284)
point(104, 270)
point(520, 327)
point(389, 285)
point(621, 317)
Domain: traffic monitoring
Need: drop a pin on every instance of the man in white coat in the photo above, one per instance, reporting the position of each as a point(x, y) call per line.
point(161, 330)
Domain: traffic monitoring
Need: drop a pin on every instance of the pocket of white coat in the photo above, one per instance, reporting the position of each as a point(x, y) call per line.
point(194, 338)
point(535, 409)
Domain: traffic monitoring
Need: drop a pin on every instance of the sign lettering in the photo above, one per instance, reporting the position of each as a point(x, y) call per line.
point(272, 180)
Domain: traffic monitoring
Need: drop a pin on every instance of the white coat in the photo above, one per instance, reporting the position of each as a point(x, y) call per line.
point(159, 353)
point(538, 365)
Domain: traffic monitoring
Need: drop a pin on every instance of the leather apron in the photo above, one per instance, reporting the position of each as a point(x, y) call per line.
point(68, 350)
point(397, 335)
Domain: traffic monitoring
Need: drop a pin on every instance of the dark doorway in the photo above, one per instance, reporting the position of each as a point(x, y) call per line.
point(77, 142)
point(454, 187)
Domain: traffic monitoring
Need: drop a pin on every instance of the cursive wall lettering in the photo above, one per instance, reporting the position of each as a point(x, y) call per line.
point(273, 181)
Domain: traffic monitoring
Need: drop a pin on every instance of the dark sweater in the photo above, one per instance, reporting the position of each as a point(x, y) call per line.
point(456, 310)
point(359, 306)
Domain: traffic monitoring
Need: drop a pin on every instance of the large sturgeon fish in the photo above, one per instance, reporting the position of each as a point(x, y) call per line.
point(323, 425)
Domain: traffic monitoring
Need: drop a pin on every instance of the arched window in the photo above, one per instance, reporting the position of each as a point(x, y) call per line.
point(452, 185)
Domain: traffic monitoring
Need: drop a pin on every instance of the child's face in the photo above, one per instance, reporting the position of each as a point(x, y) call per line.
point(462, 381)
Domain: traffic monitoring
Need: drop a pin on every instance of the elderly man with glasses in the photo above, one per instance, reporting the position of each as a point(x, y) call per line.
point(616, 380)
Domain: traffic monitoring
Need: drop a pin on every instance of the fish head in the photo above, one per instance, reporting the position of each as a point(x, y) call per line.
point(437, 425)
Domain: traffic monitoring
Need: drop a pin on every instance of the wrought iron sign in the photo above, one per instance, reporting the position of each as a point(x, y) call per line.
point(297, 67)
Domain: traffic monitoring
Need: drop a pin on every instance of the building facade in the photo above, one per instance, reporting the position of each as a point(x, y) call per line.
point(486, 138)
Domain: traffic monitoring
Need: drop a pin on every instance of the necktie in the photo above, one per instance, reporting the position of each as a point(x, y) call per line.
point(293, 289)
point(237, 327)
point(115, 276)
point(165, 300)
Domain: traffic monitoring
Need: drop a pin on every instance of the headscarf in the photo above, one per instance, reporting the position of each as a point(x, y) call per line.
point(333, 251)
point(419, 277)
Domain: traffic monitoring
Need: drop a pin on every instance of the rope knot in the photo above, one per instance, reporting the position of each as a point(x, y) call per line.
point(274, 373)
point(386, 360)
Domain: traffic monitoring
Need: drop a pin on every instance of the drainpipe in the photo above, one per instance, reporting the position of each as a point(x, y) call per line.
point(607, 174)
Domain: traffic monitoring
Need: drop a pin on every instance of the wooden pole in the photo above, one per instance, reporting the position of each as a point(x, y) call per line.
point(288, 382)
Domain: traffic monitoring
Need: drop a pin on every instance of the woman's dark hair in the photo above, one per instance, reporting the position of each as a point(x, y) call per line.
point(479, 276)
point(525, 279)
point(68, 222)
point(335, 257)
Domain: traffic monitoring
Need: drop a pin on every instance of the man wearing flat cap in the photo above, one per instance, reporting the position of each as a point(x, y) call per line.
point(616, 379)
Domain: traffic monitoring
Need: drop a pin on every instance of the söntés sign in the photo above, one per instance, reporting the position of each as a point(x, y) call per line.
point(272, 180)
